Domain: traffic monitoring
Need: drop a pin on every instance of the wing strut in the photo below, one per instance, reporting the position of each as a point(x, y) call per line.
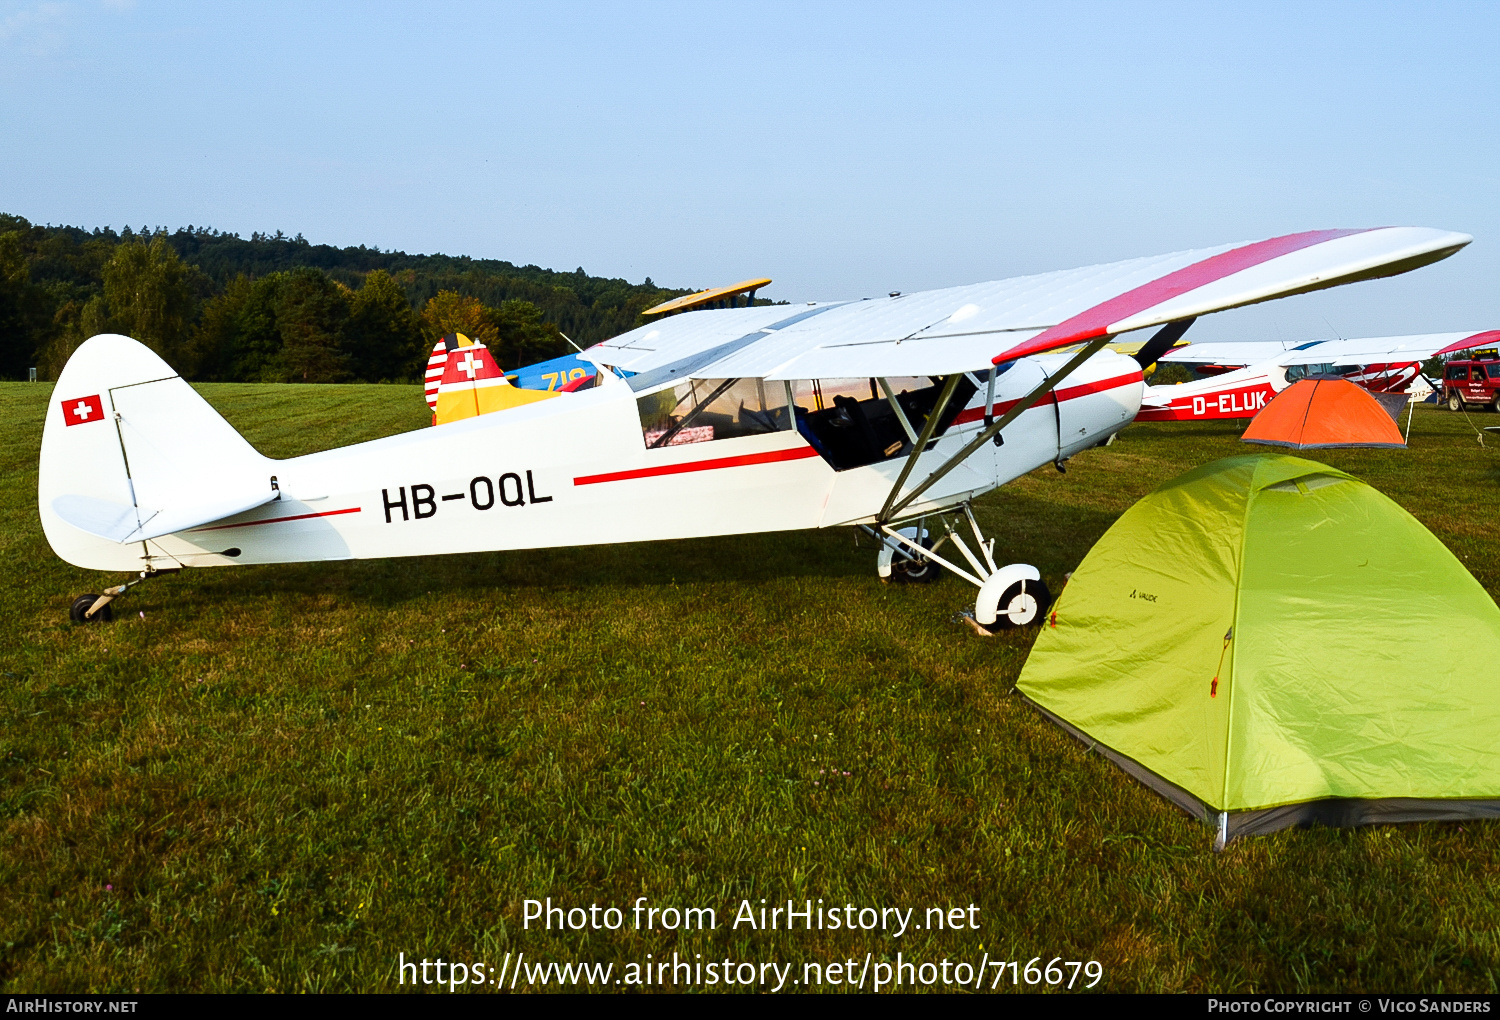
point(893, 507)
point(890, 397)
point(928, 428)
point(1162, 342)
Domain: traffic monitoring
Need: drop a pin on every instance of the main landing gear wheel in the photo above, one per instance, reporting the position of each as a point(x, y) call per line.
point(1023, 604)
point(78, 612)
point(911, 569)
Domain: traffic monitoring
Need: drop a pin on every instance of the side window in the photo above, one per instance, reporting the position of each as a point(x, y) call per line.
point(1295, 373)
point(1457, 372)
point(702, 410)
point(1493, 370)
point(851, 423)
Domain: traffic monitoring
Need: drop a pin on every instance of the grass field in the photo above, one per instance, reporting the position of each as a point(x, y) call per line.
point(280, 778)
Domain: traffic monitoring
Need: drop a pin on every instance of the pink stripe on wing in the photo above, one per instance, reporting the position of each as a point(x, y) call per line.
point(1094, 322)
point(1477, 340)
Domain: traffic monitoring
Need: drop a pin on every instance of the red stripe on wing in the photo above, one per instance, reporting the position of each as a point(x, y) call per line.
point(1094, 322)
point(1477, 340)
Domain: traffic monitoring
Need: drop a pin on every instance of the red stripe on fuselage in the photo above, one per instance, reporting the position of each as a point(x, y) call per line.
point(278, 520)
point(803, 452)
point(1065, 393)
point(1094, 322)
point(771, 457)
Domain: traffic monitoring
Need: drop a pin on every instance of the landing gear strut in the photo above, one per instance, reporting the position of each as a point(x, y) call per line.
point(1009, 596)
point(93, 608)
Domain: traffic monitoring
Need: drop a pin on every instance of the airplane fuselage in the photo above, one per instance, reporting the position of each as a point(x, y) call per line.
point(1243, 392)
point(1237, 394)
point(577, 470)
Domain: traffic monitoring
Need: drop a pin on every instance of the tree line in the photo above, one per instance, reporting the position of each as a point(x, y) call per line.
point(222, 308)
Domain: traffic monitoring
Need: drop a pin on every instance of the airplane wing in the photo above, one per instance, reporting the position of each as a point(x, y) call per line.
point(1387, 349)
point(964, 329)
point(1231, 352)
point(1369, 351)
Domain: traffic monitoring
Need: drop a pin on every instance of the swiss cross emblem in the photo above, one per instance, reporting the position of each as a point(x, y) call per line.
point(84, 409)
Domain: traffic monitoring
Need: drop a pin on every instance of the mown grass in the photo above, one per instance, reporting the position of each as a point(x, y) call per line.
point(282, 777)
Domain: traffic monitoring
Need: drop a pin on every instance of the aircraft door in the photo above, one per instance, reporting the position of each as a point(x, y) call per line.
point(1032, 438)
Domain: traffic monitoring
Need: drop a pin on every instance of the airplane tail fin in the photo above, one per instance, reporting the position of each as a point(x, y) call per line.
point(131, 452)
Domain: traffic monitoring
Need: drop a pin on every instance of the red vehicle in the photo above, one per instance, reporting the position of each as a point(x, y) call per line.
point(1473, 381)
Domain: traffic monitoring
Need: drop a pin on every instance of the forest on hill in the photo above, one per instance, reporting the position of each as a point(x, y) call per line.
point(273, 308)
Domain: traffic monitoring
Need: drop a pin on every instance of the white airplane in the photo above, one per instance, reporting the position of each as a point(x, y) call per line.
point(1242, 376)
point(881, 413)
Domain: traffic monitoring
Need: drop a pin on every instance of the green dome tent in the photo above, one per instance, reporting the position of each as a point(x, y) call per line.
point(1267, 642)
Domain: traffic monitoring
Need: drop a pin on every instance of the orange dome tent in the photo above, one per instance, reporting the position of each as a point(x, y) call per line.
point(1316, 413)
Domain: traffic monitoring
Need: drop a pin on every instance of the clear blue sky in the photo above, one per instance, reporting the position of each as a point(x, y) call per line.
point(843, 149)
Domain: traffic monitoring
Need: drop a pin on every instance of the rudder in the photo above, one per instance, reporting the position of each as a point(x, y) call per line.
point(131, 452)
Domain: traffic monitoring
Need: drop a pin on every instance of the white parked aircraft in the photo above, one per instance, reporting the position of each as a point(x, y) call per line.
point(873, 413)
point(1243, 376)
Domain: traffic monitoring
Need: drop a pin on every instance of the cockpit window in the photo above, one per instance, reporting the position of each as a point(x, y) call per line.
point(702, 410)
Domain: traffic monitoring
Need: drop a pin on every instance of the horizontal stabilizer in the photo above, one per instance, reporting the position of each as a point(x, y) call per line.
point(114, 521)
point(120, 523)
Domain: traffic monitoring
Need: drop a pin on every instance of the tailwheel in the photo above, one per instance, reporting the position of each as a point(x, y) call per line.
point(79, 611)
point(92, 608)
